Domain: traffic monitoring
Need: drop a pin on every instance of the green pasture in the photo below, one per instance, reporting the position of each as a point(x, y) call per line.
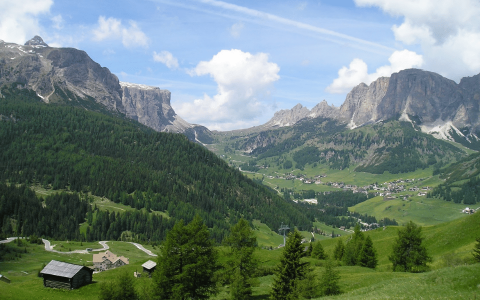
point(421, 210)
point(452, 275)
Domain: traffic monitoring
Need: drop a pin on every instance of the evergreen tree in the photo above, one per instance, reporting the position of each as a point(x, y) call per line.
point(241, 263)
point(368, 255)
point(186, 266)
point(122, 288)
point(329, 280)
point(476, 250)
point(409, 255)
point(318, 252)
point(339, 250)
point(290, 270)
point(353, 247)
point(309, 249)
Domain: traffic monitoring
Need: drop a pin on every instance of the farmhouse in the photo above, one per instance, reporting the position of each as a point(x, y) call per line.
point(62, 275)
point(107, 260)
point(149, 267)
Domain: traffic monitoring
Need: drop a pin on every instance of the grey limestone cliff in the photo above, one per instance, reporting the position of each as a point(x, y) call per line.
point(68, 74)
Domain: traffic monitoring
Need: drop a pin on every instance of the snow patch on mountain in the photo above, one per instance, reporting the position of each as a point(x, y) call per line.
point(136, 85)
point(441, 130)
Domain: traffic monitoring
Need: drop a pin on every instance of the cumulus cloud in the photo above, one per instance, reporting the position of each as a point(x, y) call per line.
point(166, 58)
point(243, 81)
point(236, 29)
point(447, 30)
point(357, 71)
point(19, 20)
point(111, 28)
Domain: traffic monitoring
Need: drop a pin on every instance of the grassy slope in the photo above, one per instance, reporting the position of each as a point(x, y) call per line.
point(456, 237)
point(29, 286)
point(421, 210)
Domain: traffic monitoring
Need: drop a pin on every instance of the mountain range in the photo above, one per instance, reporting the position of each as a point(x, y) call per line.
point(70, 75)
point(437, 105)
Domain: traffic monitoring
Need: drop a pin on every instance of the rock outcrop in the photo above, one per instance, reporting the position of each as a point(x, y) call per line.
point(68, 74)
point(439, 105)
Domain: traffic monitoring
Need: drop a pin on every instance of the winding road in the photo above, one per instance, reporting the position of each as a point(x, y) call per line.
point(143, 249)
point(49, 247)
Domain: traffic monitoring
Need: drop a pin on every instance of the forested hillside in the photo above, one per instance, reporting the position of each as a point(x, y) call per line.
point(462, 182)
point(66, 147)
point(393, 146)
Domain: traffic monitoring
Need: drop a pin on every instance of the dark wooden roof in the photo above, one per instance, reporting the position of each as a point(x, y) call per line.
point(62, 269)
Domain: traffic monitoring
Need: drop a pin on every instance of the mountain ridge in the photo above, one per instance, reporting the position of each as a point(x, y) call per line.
point(67, 75)
point(438, 105)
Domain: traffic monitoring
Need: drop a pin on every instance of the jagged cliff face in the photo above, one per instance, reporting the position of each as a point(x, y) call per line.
point(151, 106)
point(360, 106)
point(67, 74)
point(288, 117)
point(440, 106)
point(51, 71)
point(426, 95)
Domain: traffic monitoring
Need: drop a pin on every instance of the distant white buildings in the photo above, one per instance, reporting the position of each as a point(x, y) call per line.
point(107, 260)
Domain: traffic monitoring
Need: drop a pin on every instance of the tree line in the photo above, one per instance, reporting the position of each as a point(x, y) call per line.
point(66, 147)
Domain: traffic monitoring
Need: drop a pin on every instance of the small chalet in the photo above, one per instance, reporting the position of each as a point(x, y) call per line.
point(149, 267)
point(107, 260)
point(4, 279)
point(62, 275)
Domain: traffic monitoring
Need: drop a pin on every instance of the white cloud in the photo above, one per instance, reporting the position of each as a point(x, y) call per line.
point(166, 58)
point(19, 19)
point(57, 22)
point(243, 81)
point(112, 28)
point(357, 71)
point(236, 29)
point(447, 30)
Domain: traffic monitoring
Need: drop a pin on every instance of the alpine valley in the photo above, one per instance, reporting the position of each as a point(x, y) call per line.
point(87, 158)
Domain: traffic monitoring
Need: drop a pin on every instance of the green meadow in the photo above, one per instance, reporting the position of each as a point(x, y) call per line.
point(452, 275)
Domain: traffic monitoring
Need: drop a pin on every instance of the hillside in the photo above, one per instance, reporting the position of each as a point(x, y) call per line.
point(391, 146)
point(452, 274)
point(64, 147)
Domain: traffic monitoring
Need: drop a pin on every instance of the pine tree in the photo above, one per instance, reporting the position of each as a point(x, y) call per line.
point(339, 250)
point(476, 250)
point(309, 249)
point(353, 247)
point(329, 280)
point(368, 255)
point(318, 252)
point(409, 255)
point(242, 263)
point(290, 270)
point(122, 288)
point(187, 263)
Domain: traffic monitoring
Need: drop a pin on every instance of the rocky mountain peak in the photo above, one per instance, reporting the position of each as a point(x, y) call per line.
point(36, 41)
point(322, 109)
point(287, 117)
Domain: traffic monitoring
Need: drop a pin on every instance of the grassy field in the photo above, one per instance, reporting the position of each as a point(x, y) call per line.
point(421, 210)
point(452, 275)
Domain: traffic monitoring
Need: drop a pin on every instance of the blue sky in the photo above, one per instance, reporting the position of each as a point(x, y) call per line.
point(232, 64)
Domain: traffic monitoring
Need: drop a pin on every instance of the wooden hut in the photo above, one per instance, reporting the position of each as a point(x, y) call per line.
point(64, 275)
point(4, 279)
point(149, 267)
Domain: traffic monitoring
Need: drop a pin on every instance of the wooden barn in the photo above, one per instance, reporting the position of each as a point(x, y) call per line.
point(4, 279)
point(62, 275)
point(149, 267)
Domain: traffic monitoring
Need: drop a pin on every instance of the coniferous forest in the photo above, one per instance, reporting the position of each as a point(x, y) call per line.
point(69, 148)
